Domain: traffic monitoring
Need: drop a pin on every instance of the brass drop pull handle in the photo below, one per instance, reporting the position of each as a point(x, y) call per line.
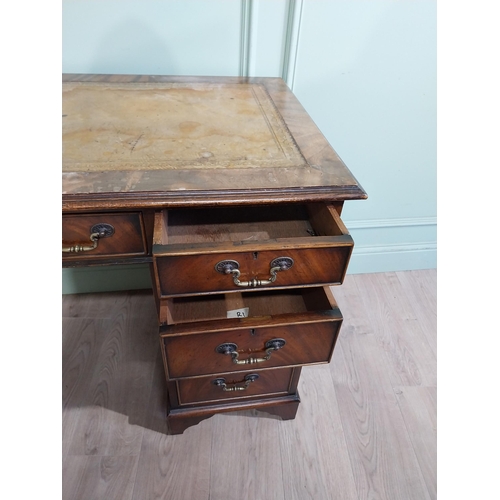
point(97, 231)
point(77, 247)
point(232, 267)
point(221, 382)
point(230, 348)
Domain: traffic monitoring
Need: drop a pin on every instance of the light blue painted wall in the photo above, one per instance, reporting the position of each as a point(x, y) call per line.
point(364, 69)
point(188, 37)
point(372, 91)
point(374, 95)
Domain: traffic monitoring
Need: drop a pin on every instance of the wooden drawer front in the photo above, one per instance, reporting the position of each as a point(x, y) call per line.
point(307, 321)
point(127, 240)
point(203, 389)
point(190, 244)
point(197, 274)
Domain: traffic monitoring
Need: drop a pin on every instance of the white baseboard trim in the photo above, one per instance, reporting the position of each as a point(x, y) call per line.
point(386, 258)
point(401, 222)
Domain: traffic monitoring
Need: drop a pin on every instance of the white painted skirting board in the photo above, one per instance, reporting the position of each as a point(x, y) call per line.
point(402, 222)
point(406, 244)
point(385, 258)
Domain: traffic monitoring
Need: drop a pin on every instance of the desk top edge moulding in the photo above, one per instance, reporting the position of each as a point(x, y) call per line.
point(230, 193)
point(161, 140)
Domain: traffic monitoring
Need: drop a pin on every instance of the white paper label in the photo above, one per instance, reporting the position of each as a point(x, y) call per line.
point(238, 313)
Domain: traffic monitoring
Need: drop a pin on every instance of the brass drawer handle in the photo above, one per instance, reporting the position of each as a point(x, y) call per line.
point(230, 348)
point(97, 231)
point(221, 382)
point(76, 247)
point(232, 267)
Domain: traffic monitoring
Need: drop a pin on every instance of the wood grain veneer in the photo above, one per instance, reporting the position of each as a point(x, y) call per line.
point(309, 330)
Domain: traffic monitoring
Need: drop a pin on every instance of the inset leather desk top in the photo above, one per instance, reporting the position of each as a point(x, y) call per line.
point(173, 125)
point(157, 140)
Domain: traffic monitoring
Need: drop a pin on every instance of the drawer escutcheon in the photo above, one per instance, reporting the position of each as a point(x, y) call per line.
point(104, 230)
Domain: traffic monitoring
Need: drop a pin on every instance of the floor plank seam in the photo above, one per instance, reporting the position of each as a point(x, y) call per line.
point(417, 314)
point(139, 460)
point(344, 435)
point(415, 454)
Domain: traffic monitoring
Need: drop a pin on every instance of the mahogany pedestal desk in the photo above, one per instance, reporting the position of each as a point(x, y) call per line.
point(233, 196)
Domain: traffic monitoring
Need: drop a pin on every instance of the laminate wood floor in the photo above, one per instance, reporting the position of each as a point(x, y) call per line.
point(365, 429)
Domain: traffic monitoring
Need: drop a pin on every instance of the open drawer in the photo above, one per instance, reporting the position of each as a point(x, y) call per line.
point(282, 328)
point(223, 249)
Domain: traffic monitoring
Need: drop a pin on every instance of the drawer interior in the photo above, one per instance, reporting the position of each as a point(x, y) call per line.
point(248, 224)
point(259, 304)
